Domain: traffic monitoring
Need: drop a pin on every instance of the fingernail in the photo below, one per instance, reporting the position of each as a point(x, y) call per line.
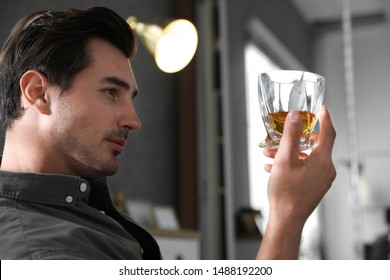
point(293, 117)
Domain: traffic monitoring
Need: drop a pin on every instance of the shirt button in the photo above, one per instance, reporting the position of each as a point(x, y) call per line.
point(83, 187)
point(69, 199)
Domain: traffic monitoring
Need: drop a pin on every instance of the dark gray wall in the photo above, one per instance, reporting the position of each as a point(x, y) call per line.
point(148, 166)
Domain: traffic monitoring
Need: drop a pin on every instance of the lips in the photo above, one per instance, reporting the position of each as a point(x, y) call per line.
point(117, 144)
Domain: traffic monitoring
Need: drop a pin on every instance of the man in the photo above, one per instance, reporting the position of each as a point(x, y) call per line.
point(67, 91)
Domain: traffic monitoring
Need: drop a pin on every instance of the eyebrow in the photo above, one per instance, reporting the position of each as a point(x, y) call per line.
point(119, 82)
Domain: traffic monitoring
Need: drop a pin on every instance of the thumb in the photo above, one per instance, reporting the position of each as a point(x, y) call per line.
point(289, 144)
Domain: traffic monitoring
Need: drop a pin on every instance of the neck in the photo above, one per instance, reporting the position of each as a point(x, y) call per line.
point(27, 150)
point(19, 156)
point(31, 154)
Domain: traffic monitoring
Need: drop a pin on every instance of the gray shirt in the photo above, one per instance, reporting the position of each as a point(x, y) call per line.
point(47, 216)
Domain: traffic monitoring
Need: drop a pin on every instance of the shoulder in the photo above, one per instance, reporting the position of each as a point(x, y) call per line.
point(12, 242)
point(36, 231)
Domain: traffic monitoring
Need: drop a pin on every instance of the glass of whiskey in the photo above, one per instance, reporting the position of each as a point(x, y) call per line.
point(282, 91)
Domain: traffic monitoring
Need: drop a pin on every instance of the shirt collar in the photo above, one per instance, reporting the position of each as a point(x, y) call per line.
point(51, 189)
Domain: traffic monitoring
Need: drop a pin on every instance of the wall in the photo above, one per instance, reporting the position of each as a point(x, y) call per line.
point(148, 165)
point(371, 44)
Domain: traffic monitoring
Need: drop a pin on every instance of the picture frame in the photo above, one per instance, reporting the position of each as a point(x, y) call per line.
point(165, 217)
point(141, 211)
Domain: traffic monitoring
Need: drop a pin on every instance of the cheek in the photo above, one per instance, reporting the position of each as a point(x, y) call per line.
point(71, 120)
point(91, 128)
point(85, 120)
point(84, 126)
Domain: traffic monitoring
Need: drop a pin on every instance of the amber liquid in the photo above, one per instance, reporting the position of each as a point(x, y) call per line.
point(308, 120)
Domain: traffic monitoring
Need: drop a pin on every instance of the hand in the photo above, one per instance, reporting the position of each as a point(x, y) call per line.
point(296, 186)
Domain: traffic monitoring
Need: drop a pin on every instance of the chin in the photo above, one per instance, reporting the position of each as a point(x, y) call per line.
point(96, 174)
point(109, 170)
point(105, 170)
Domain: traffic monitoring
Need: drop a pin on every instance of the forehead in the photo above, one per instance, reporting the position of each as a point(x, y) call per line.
point(108, 61)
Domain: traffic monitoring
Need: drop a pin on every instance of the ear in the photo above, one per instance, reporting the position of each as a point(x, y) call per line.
point(33, 85)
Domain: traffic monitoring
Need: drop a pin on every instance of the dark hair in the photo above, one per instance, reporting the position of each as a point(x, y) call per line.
point(55, 44)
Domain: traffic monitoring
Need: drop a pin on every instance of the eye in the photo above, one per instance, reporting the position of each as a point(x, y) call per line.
point(111, 91)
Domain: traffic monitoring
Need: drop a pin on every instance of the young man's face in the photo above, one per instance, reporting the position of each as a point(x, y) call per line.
point(93, 117)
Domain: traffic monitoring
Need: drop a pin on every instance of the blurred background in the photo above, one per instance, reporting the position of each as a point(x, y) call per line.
point(197, 153)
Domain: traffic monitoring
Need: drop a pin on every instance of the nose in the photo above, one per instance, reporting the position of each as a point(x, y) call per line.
point(129, 118)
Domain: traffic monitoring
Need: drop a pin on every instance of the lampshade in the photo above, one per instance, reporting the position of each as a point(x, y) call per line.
point(172, 43)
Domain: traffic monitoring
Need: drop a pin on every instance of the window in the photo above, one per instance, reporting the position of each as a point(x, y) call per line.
point(256, 62)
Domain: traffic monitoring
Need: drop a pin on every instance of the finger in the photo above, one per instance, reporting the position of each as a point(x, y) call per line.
point(289, 144)
point(314, 136)
point(268, 168)
point(327, 134)
point(269, 152)
point(303, 156)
